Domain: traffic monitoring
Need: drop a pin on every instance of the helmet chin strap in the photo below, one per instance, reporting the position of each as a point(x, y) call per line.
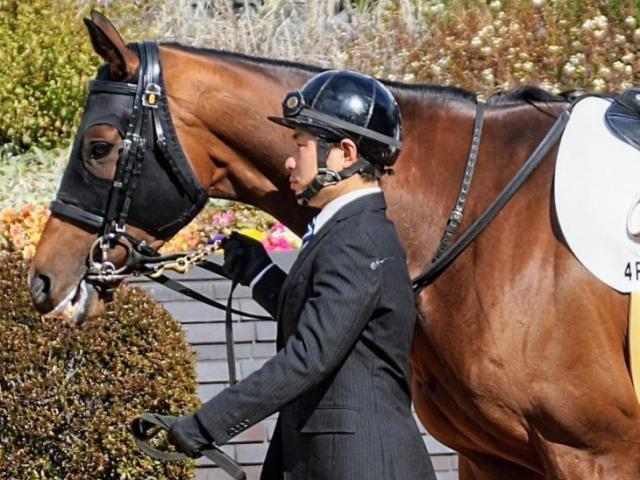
point(327, 177)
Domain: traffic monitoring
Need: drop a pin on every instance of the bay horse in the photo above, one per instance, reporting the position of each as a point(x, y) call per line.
point(519, 358)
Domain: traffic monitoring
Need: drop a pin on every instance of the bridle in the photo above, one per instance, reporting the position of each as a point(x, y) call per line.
point(147, 128)
point(149, 125)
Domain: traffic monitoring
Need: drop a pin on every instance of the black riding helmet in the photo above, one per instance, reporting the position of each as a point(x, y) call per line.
point(341, 104)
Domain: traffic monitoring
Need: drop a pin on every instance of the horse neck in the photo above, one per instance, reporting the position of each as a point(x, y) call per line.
point(219, 105)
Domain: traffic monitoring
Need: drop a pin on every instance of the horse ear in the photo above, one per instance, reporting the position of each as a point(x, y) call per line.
point(107, 42)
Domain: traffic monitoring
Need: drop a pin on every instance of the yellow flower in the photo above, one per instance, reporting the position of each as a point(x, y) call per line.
point(29, 251)
point(253, 233)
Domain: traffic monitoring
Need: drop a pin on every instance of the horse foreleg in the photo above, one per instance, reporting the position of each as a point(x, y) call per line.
point(583, 415)
point(575, 464)
point(617, 460)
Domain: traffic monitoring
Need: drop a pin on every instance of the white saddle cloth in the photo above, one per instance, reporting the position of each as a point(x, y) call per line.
point(597, 196)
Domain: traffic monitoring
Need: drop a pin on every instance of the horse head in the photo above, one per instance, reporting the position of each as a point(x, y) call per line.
point(156, 140)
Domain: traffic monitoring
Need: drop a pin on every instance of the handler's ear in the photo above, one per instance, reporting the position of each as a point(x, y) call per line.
point(350, 152)
point(107, 42)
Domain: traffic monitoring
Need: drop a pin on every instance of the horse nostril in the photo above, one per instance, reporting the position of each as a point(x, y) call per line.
point(45, 281)
point(40, 288)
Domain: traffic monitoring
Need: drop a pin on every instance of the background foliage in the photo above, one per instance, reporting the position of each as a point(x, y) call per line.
point(478, 45)
point(46, 59)
point(67, 395)
point(483, 46)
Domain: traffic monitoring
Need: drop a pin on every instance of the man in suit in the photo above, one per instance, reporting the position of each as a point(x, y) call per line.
point(345, 312)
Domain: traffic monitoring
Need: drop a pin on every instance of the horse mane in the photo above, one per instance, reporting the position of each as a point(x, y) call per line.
point(528, 94)
point(518, 96)
point(427, 90)
point(211, 52)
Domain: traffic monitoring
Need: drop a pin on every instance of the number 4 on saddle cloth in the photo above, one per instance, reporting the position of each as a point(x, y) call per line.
point(597, 187)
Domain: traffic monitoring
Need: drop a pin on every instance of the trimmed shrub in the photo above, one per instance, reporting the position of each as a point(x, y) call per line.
point(67, 395)
point(46, 60)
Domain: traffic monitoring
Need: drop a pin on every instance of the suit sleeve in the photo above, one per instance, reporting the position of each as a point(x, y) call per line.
point(345, 292)
point(267, 290)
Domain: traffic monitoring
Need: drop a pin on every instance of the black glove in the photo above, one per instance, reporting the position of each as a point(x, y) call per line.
point(188, 436)
point(244, 258)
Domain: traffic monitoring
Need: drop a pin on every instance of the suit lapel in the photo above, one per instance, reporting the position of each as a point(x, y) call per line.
point(374, 201)
point(297, 264)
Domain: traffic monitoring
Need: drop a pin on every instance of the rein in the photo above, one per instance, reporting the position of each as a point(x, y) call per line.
point(441, 262)
point(148, 425)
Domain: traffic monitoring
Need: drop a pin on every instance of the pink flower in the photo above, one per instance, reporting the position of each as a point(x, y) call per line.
point(278, 239)
point(16, 231)
point(222, 220)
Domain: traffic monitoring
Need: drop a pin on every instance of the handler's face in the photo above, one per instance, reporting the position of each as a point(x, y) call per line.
point(303, 164)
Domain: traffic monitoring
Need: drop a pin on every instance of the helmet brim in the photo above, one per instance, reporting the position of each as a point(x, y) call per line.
point(285, 122)
point(295, 122)
point(315, 128)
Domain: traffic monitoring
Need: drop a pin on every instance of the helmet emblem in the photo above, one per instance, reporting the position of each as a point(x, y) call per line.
point(292, 102)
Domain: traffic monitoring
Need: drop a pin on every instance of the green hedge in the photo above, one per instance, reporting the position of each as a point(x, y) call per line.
point(46, 60)
point(68, 394)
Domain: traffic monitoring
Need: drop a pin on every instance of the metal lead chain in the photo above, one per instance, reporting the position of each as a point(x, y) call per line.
point(185, 262)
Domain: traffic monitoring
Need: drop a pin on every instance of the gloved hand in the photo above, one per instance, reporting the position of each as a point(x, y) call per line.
point(188, 436)
point(244, 258)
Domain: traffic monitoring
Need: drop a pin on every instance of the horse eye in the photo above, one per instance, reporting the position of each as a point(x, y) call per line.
point(100, 149)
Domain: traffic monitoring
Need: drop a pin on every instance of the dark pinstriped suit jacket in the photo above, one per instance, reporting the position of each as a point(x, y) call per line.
point(340, 379)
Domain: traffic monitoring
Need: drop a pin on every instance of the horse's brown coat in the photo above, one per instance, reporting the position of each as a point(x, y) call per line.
point(519, 358)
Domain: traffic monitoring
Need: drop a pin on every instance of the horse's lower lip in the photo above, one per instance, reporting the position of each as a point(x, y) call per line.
point(72, 305)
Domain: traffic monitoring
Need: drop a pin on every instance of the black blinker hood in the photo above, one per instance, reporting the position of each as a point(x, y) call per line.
point(160, 192)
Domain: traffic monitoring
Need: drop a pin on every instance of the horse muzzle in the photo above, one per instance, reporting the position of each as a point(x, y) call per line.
point(75, 303)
